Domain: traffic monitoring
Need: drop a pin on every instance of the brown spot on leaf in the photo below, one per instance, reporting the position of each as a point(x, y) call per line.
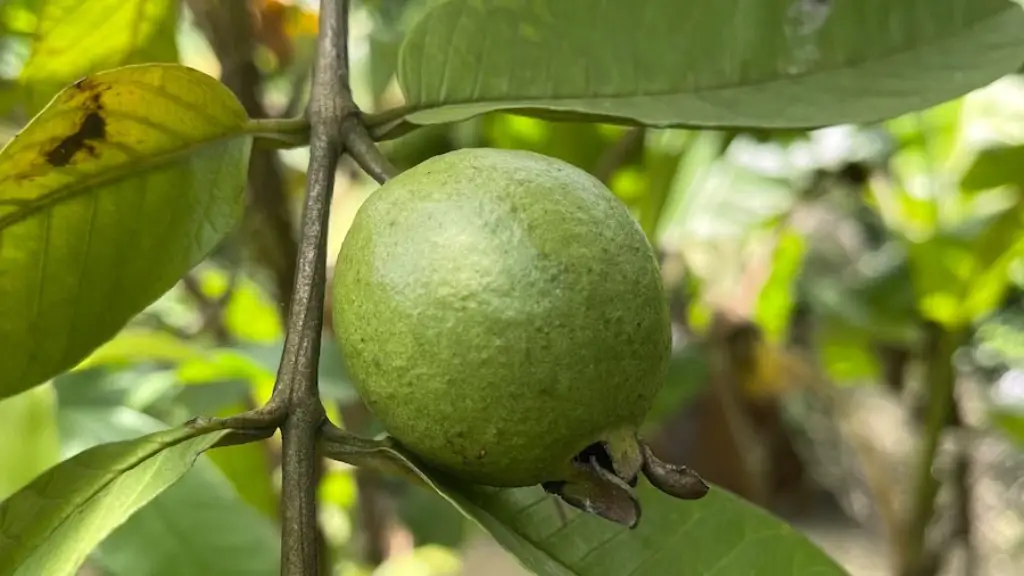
point(92, 129)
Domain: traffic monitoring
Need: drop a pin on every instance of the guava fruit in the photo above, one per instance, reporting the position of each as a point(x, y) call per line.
point(502, 315)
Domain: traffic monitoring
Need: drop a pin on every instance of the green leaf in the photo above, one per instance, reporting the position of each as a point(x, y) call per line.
point(995, 166)
point(75, 38)
point(126, 181)
point(250, 314)
point(135, 345)
point(430, 518)
point(962, 273)
point(249, 468)
point(717, 535)
point(767, 63)
point(776, 301)
point(194, 365)
point(50, 526)
point(199, 525)
point(720, 534)
point(847, 352)
point(29, 443)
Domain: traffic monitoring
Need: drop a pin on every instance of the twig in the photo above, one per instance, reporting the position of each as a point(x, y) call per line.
point(228, 28)
point(297, 377)
point(359, 144)
point(915, 558)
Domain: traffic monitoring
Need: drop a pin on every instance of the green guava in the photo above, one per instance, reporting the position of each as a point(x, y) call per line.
point(502, 315)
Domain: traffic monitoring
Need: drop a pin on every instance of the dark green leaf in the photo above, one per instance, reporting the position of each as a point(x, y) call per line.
point(769, 63)
point(51, 525)
point(717, 535)
point(431, 518)
point(76, 38)
point(126, 180)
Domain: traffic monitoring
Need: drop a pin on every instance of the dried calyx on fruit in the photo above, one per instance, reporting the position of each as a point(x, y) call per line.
point(502, 315)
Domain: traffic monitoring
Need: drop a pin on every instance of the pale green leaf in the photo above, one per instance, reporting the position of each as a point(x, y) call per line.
point(126, 181)
point(769, 63)
point(76, 38)
point(250, 315)
point(29, 443)
point(50, 526)
point(199, 525)
point(776, 301)
point(135, 345)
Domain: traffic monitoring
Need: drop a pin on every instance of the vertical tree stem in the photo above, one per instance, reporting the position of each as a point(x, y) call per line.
point(297, 377)
point(915, 559)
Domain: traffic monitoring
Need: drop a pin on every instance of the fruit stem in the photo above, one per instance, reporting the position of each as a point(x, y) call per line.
point(623, 449)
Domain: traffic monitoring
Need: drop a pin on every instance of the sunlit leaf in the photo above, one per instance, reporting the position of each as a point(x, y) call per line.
point(76, 38)
point(127, 180)
point(250, 314)
point(422, 561)
point(29, 443)
point(770, 63)
point(776, 300)
point(961, 274)
point(51, 525)
point(141, 345)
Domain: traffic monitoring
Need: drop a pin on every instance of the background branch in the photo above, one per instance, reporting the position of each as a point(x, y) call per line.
point(917, 558)
point(228, 28)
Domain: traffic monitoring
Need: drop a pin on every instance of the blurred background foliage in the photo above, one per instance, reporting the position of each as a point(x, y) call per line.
point(806, 273)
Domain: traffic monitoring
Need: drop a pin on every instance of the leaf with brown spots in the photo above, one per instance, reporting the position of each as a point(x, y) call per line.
point(124, 182)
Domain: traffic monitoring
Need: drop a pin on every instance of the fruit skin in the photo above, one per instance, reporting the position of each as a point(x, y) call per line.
point(500, 311)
